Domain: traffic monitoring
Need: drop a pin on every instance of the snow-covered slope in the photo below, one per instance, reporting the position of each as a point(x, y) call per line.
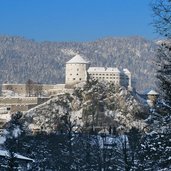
point(94, 104)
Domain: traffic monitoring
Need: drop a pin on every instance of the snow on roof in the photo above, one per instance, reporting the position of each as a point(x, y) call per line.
point(77, 59)
point(152, 92)
point(4, 153)
point(103, 69)
point(126, 70)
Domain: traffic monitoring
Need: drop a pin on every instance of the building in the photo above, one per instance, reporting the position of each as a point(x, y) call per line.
point(23, 163)
point(152, 97)
point(113, 75)
point(77, 70)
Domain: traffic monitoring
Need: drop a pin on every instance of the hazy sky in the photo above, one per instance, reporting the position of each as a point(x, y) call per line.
point(75, 20)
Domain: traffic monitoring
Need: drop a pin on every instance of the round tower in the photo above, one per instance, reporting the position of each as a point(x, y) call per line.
point(76, 71)
point(152, 97)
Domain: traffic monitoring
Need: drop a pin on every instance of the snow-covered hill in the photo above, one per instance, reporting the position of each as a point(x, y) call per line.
point(96, 104)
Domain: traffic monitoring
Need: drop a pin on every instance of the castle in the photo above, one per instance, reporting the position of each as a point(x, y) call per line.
point(77, 70)
point(22, 97)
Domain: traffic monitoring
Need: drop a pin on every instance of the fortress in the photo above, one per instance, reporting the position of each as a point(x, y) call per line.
point(77, 70)
point(22, 97)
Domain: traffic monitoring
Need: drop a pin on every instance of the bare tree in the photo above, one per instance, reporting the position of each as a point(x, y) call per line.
point(162, 17)
point(33, 88)
point(29, 87)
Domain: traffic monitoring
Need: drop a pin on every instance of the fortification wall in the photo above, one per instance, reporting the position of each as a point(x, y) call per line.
point(18, 100)
point(29, 89)
point(17, 88)
point(20, 104)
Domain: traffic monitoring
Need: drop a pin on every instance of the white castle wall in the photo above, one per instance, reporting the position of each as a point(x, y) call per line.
point(107, 74)
point(75, 73)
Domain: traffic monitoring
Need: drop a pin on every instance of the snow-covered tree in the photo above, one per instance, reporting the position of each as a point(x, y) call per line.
point(156, 143)
point(13, 131)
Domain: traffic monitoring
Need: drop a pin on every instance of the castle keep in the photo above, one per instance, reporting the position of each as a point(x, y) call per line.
point(76, 71)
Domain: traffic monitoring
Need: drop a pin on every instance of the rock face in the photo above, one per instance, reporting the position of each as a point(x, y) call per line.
point(22, 59)
point(95, 104)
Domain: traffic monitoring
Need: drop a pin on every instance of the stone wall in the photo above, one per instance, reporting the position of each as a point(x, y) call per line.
point(18, 100)
point(29, 89)
point(17, 88)
point(21, 104)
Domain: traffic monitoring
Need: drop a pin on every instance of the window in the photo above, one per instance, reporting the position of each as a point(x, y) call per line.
point(8, 108)
point(77, 69)
point(80, 79)
point(73, 78)
point(77, 73)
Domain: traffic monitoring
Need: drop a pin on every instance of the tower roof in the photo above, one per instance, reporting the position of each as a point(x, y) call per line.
point(152, 92)
point(77, 59)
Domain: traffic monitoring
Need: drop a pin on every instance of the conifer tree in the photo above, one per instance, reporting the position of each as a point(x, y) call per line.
point(155, 145)
point(162, 24)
